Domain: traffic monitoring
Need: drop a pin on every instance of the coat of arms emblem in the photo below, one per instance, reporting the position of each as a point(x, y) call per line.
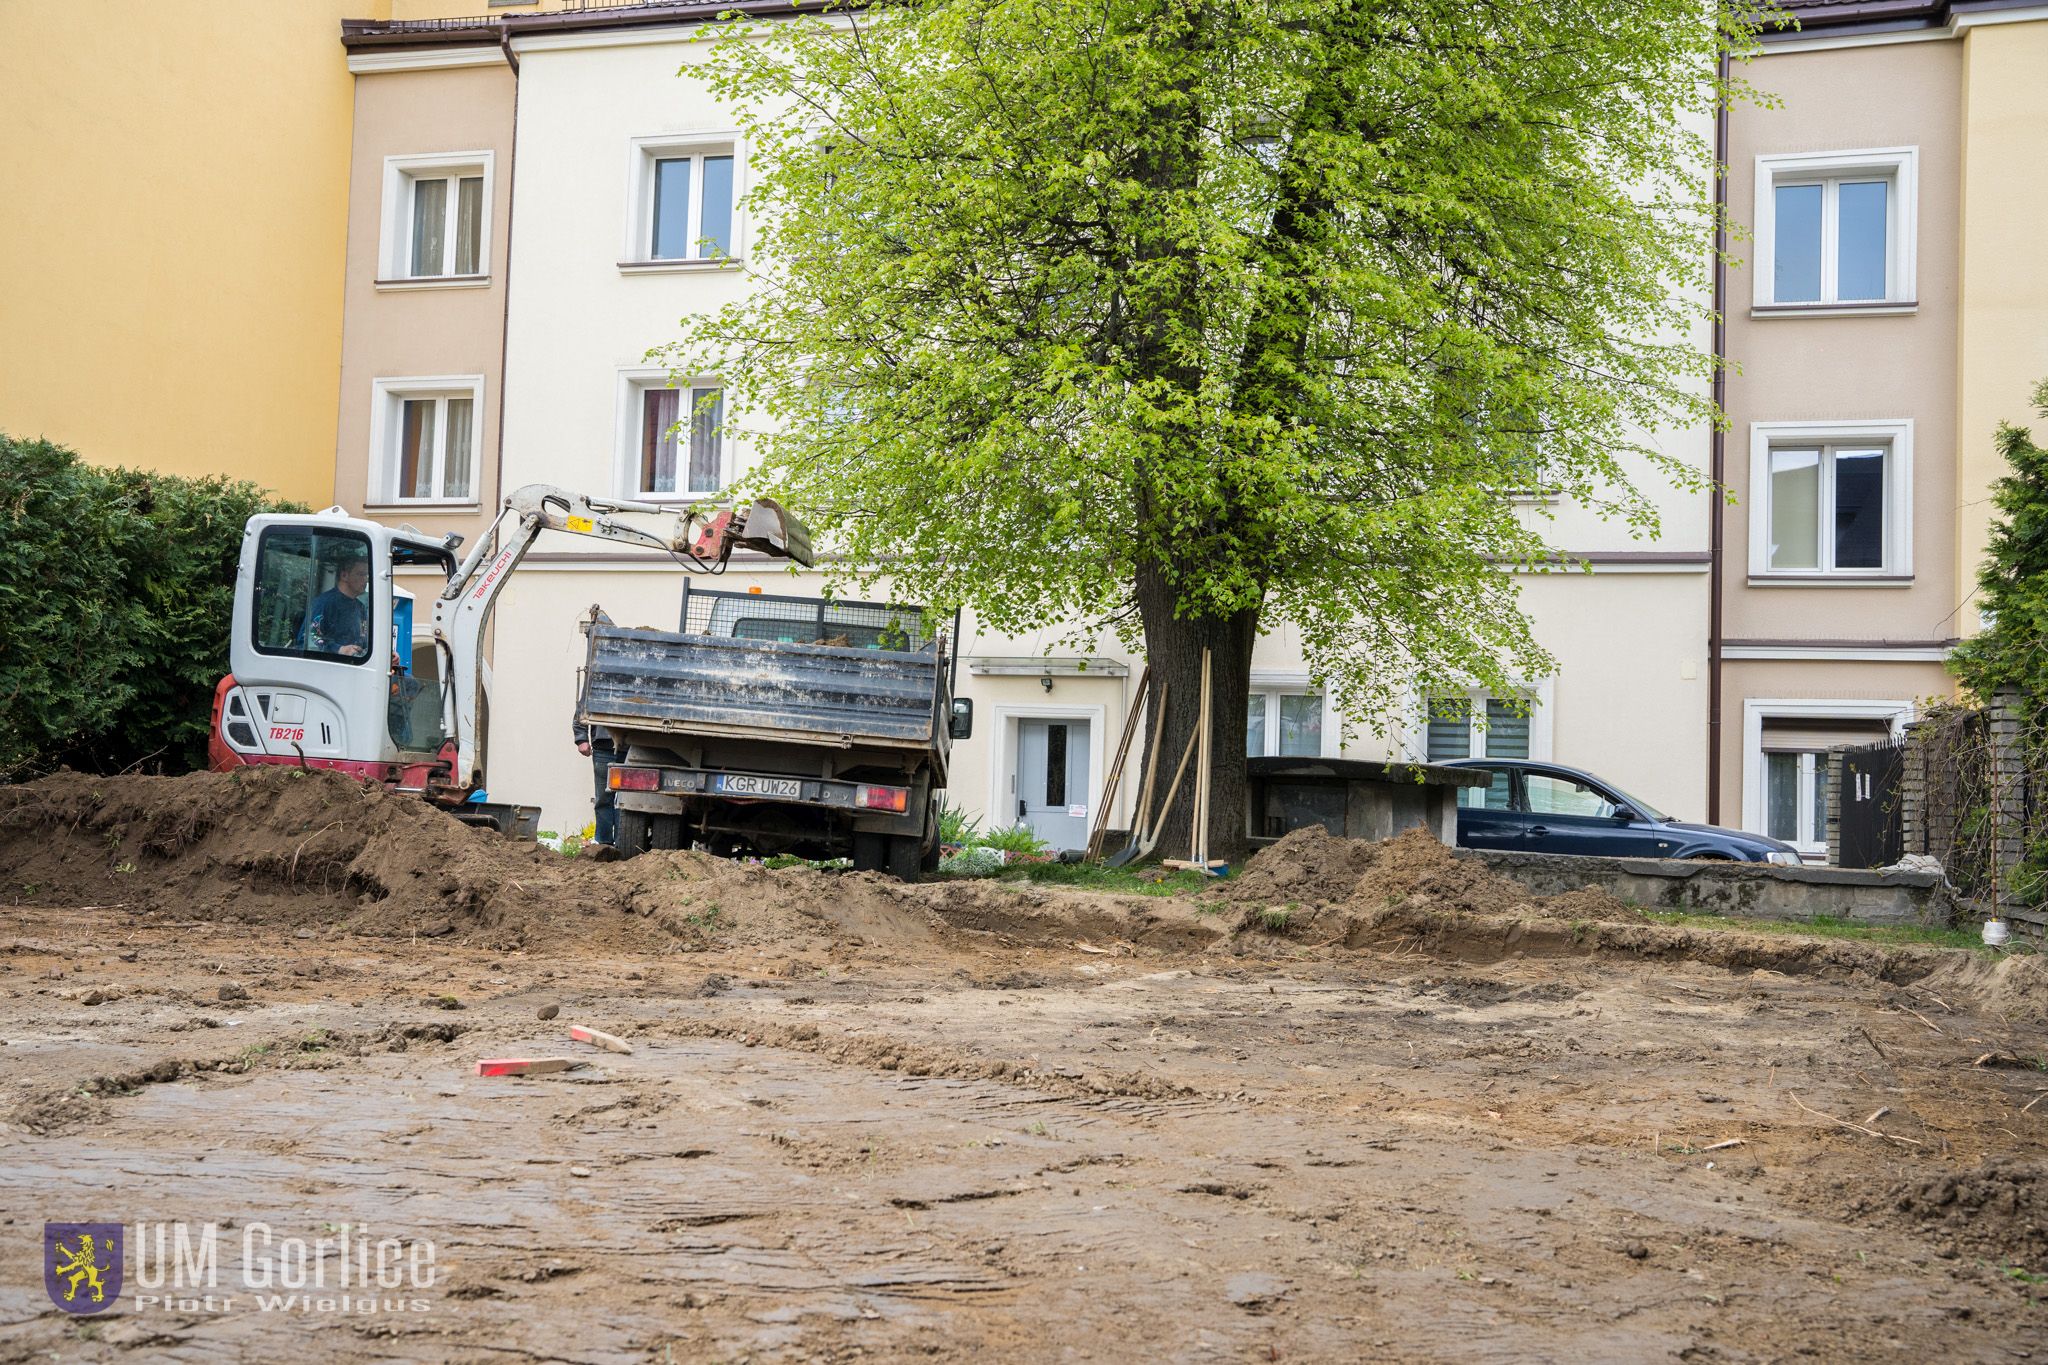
point(82, 1265)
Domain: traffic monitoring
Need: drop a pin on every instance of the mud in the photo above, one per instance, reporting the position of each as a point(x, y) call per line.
point(1357, 1103)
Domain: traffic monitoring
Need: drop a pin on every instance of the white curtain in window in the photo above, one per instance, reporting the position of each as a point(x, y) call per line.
point(416, 450)
point(455, 475)
point(429, 226)
point(657, 440)
point(707, 415)
point(469, 223)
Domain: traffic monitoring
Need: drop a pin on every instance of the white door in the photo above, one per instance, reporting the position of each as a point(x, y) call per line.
point(1052, 780)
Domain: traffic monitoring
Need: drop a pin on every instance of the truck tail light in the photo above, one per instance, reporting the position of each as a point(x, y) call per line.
point(624, 779)
point(884, 798)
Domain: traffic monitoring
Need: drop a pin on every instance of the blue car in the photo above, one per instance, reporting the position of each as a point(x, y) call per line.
point(1532, 807)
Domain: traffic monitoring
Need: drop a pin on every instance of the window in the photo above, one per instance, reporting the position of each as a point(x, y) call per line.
point(1497, 794)
point(1830, 502)
point(426, 434)
point(1553, 794)
point(1785, 751)
point(313, 597)
point(683, 202)
point(1461, 727)
point(1284, 724)
point(1796, 798)
point(678, 439)
point(1835, 230)
point(436, 220)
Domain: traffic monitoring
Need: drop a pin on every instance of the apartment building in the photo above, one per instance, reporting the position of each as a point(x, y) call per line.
point(1880, 324)
point(602, 178)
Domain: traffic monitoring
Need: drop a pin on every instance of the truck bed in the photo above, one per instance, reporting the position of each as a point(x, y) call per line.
point(654, 680)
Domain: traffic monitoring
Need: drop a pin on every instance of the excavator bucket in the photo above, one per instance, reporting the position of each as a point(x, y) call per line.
point(769, 528)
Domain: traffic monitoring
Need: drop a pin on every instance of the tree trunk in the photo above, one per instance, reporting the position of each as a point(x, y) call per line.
point(1173, 647)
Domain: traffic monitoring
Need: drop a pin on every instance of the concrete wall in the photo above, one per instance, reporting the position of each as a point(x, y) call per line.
point(1745, 890)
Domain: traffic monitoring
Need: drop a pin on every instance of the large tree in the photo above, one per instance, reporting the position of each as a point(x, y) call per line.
point(1184, 318)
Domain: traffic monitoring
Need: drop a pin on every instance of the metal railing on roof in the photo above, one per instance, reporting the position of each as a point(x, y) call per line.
point(456, 25)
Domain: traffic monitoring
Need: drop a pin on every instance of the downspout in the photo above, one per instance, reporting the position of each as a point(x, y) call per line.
point(505, 314)
point(1717, 458)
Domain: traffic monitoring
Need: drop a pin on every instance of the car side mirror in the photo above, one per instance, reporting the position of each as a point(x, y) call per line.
point(1625, 815)
point(962, 723)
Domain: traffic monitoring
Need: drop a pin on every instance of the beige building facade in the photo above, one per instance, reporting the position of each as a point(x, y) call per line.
point(422, 357)
point(1878, 325)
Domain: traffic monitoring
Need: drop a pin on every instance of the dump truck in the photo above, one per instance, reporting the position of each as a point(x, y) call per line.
point(772, 724)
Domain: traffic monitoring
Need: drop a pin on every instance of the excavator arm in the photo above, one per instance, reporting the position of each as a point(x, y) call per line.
point(702, 537)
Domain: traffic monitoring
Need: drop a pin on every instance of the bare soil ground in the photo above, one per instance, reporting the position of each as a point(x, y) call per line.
point(1358, 1104)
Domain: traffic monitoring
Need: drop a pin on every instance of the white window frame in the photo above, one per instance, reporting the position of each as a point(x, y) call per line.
point(1897, 434)
point(1267, 687)
point(1814, 841)
point(1542, 719)
point(644, 152)
point(1899, 165)
point(395, 236)
point(634, 381)
point(387, 407)
point(1756, 710)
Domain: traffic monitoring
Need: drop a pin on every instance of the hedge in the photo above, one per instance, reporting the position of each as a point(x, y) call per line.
point(116, 592)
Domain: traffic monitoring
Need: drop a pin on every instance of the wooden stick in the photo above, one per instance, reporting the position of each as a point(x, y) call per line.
point(1173, 790)
point(1925, 1020)
point(523, 1066)
point(1854, 1127)
point(1199, 846)
point(1116, 769)
point(1151, 763)
point(583, 1033)
point(1723, 1146)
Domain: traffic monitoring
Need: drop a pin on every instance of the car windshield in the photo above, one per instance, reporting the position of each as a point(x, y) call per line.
point(1640, 807)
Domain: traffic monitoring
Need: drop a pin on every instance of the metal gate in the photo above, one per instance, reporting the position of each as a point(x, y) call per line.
point(1873, 834)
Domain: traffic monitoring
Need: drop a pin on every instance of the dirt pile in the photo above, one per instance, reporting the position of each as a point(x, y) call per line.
point(1998, 1210)
point(1314, 885)
point(293, 848)
point(287, 847)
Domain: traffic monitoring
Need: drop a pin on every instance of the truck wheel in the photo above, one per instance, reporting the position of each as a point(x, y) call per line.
point(665, 831)
point(906, 856)
point(870, 851)
point(633, 832)
point(929, 862)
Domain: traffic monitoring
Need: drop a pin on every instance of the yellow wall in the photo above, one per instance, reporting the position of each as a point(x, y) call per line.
point(173, 206)
point(2002, 342)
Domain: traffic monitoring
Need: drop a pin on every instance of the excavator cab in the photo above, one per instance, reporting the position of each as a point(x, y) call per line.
point(325, 670)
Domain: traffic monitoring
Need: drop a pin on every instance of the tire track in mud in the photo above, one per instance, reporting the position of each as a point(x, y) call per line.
point(882, 1053)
